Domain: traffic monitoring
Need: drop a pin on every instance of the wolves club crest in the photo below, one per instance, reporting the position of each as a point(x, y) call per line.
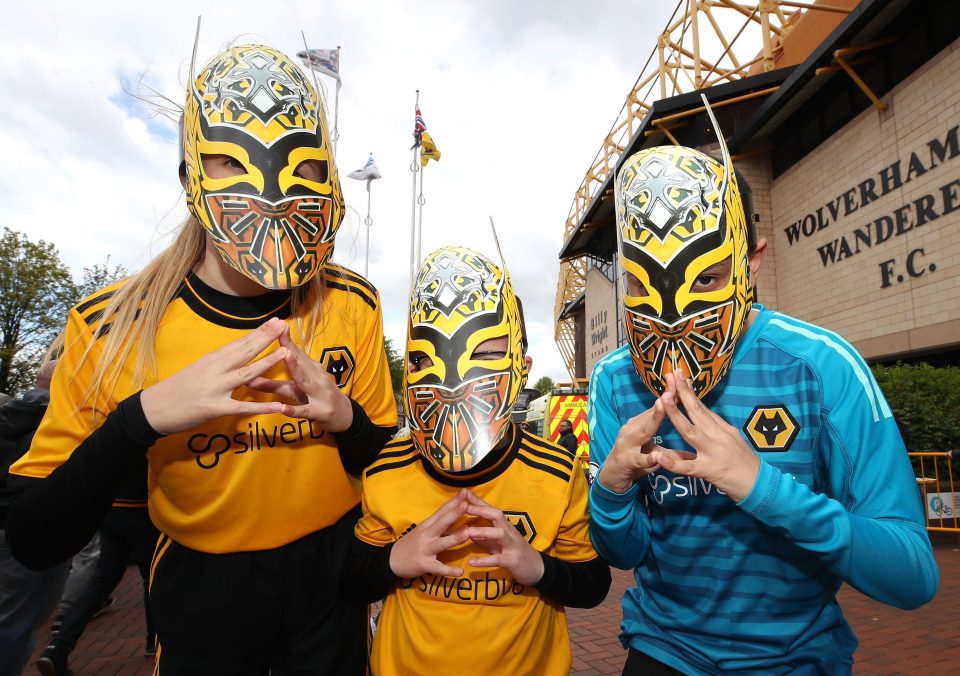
point(339, 363)
point(521, 521)
point(771, 428)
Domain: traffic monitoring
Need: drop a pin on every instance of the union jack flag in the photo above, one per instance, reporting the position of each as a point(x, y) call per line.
point(419, 126)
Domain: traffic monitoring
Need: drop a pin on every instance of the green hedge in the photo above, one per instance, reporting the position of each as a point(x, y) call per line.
point(926, 403)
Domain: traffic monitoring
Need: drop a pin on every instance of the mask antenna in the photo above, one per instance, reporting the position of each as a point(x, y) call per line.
point(496, 241)
point(193, 56)
point(724, 153)
point(506, 276)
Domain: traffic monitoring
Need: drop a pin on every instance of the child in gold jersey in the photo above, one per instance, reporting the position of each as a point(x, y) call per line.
point(252, 375)
point(475, 530)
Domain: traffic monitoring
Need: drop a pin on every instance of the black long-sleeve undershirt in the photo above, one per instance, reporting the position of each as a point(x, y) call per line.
point(367, 577)
point(360, 443)
point(52, 519)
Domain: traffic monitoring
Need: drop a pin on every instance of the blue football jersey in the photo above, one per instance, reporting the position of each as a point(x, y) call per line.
point(751, 586)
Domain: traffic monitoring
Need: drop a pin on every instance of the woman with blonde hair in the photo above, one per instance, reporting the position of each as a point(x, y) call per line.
point(252, 374)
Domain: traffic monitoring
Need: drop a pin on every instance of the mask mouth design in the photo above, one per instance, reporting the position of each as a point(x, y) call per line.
point(698, 344)
point(280, 244)
point(457, 427)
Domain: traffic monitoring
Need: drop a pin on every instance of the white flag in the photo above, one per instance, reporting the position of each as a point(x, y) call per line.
point(368, 173)
point(326, 61)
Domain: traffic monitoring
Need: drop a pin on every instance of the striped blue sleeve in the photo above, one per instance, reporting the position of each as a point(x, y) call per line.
point(868, 527)
point(619, 527)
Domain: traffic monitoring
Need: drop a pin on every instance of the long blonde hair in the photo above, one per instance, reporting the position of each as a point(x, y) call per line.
point(131, 319)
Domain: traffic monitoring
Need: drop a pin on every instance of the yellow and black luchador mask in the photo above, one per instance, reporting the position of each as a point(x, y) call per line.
point(465, 358)
point(683, 241)
point(272, 221)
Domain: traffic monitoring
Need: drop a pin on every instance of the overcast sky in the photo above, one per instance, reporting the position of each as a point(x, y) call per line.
point(518, 96)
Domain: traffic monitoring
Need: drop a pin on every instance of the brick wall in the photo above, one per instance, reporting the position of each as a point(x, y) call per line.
point(891, 283)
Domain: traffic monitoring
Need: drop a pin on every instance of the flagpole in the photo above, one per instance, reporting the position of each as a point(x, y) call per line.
point(420, 202)
point(414, 168)
point(369, 222)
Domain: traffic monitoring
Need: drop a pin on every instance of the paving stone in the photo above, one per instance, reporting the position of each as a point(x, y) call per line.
point(892, 641)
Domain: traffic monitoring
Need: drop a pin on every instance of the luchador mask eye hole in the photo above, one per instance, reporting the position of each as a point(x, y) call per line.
point(312, 170)
point(418, 361)
point(492, 349)
point(634, 286)
point(714, 278)
point(222, 166)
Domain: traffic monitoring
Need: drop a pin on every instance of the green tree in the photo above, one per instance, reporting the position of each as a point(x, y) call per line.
point(99, 276)
point(544, 385)
point(36, 291)
point(395, 359)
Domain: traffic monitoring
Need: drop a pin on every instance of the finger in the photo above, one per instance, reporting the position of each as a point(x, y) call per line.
point(658, 413)
point(246, 373)
point(287, 341)
point(650, 420)
point(446, 542)
point(485, 533)
point(298, 360)
point(451, 506)
point(491, 561)
point(245, 349)
point(696, 410)
point(687, 429)
point(670, 384)
point(487, 512)
point(438, 568)
point(251, 408)
point(297, 412)
point(475, 499)
point(678, 462)
point(284, 388)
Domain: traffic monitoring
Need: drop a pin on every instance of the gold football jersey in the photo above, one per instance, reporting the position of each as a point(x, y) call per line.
point(484, 622)
point(234, 483)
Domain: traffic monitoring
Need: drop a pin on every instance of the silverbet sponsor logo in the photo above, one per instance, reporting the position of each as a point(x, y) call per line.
point(209, 447)
point(678, 487)
point(486, 588)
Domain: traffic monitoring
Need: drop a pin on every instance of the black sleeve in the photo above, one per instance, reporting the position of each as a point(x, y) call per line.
point(360, 443)
point(14, 418)
point(53, 518)
point(367, 576)
point(582, 584)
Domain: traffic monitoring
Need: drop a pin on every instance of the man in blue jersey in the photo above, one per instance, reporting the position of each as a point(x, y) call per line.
point(750, 463)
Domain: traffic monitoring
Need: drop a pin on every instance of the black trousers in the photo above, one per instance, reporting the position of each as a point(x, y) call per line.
point(127, 534)
point(641, 664)
point(276, 611)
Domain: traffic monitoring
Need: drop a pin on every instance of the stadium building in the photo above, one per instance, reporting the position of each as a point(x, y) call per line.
point(846, 125)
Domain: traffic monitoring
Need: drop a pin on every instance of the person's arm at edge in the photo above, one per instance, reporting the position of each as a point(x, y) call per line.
point(870, 529)
point(579, 584)
point(53, 518)
point(618, 524)
point(367, 576)
point(359, 444)
point(870, 553)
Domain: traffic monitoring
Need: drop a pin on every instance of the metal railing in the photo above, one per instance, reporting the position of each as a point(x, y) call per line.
point(938, 491)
